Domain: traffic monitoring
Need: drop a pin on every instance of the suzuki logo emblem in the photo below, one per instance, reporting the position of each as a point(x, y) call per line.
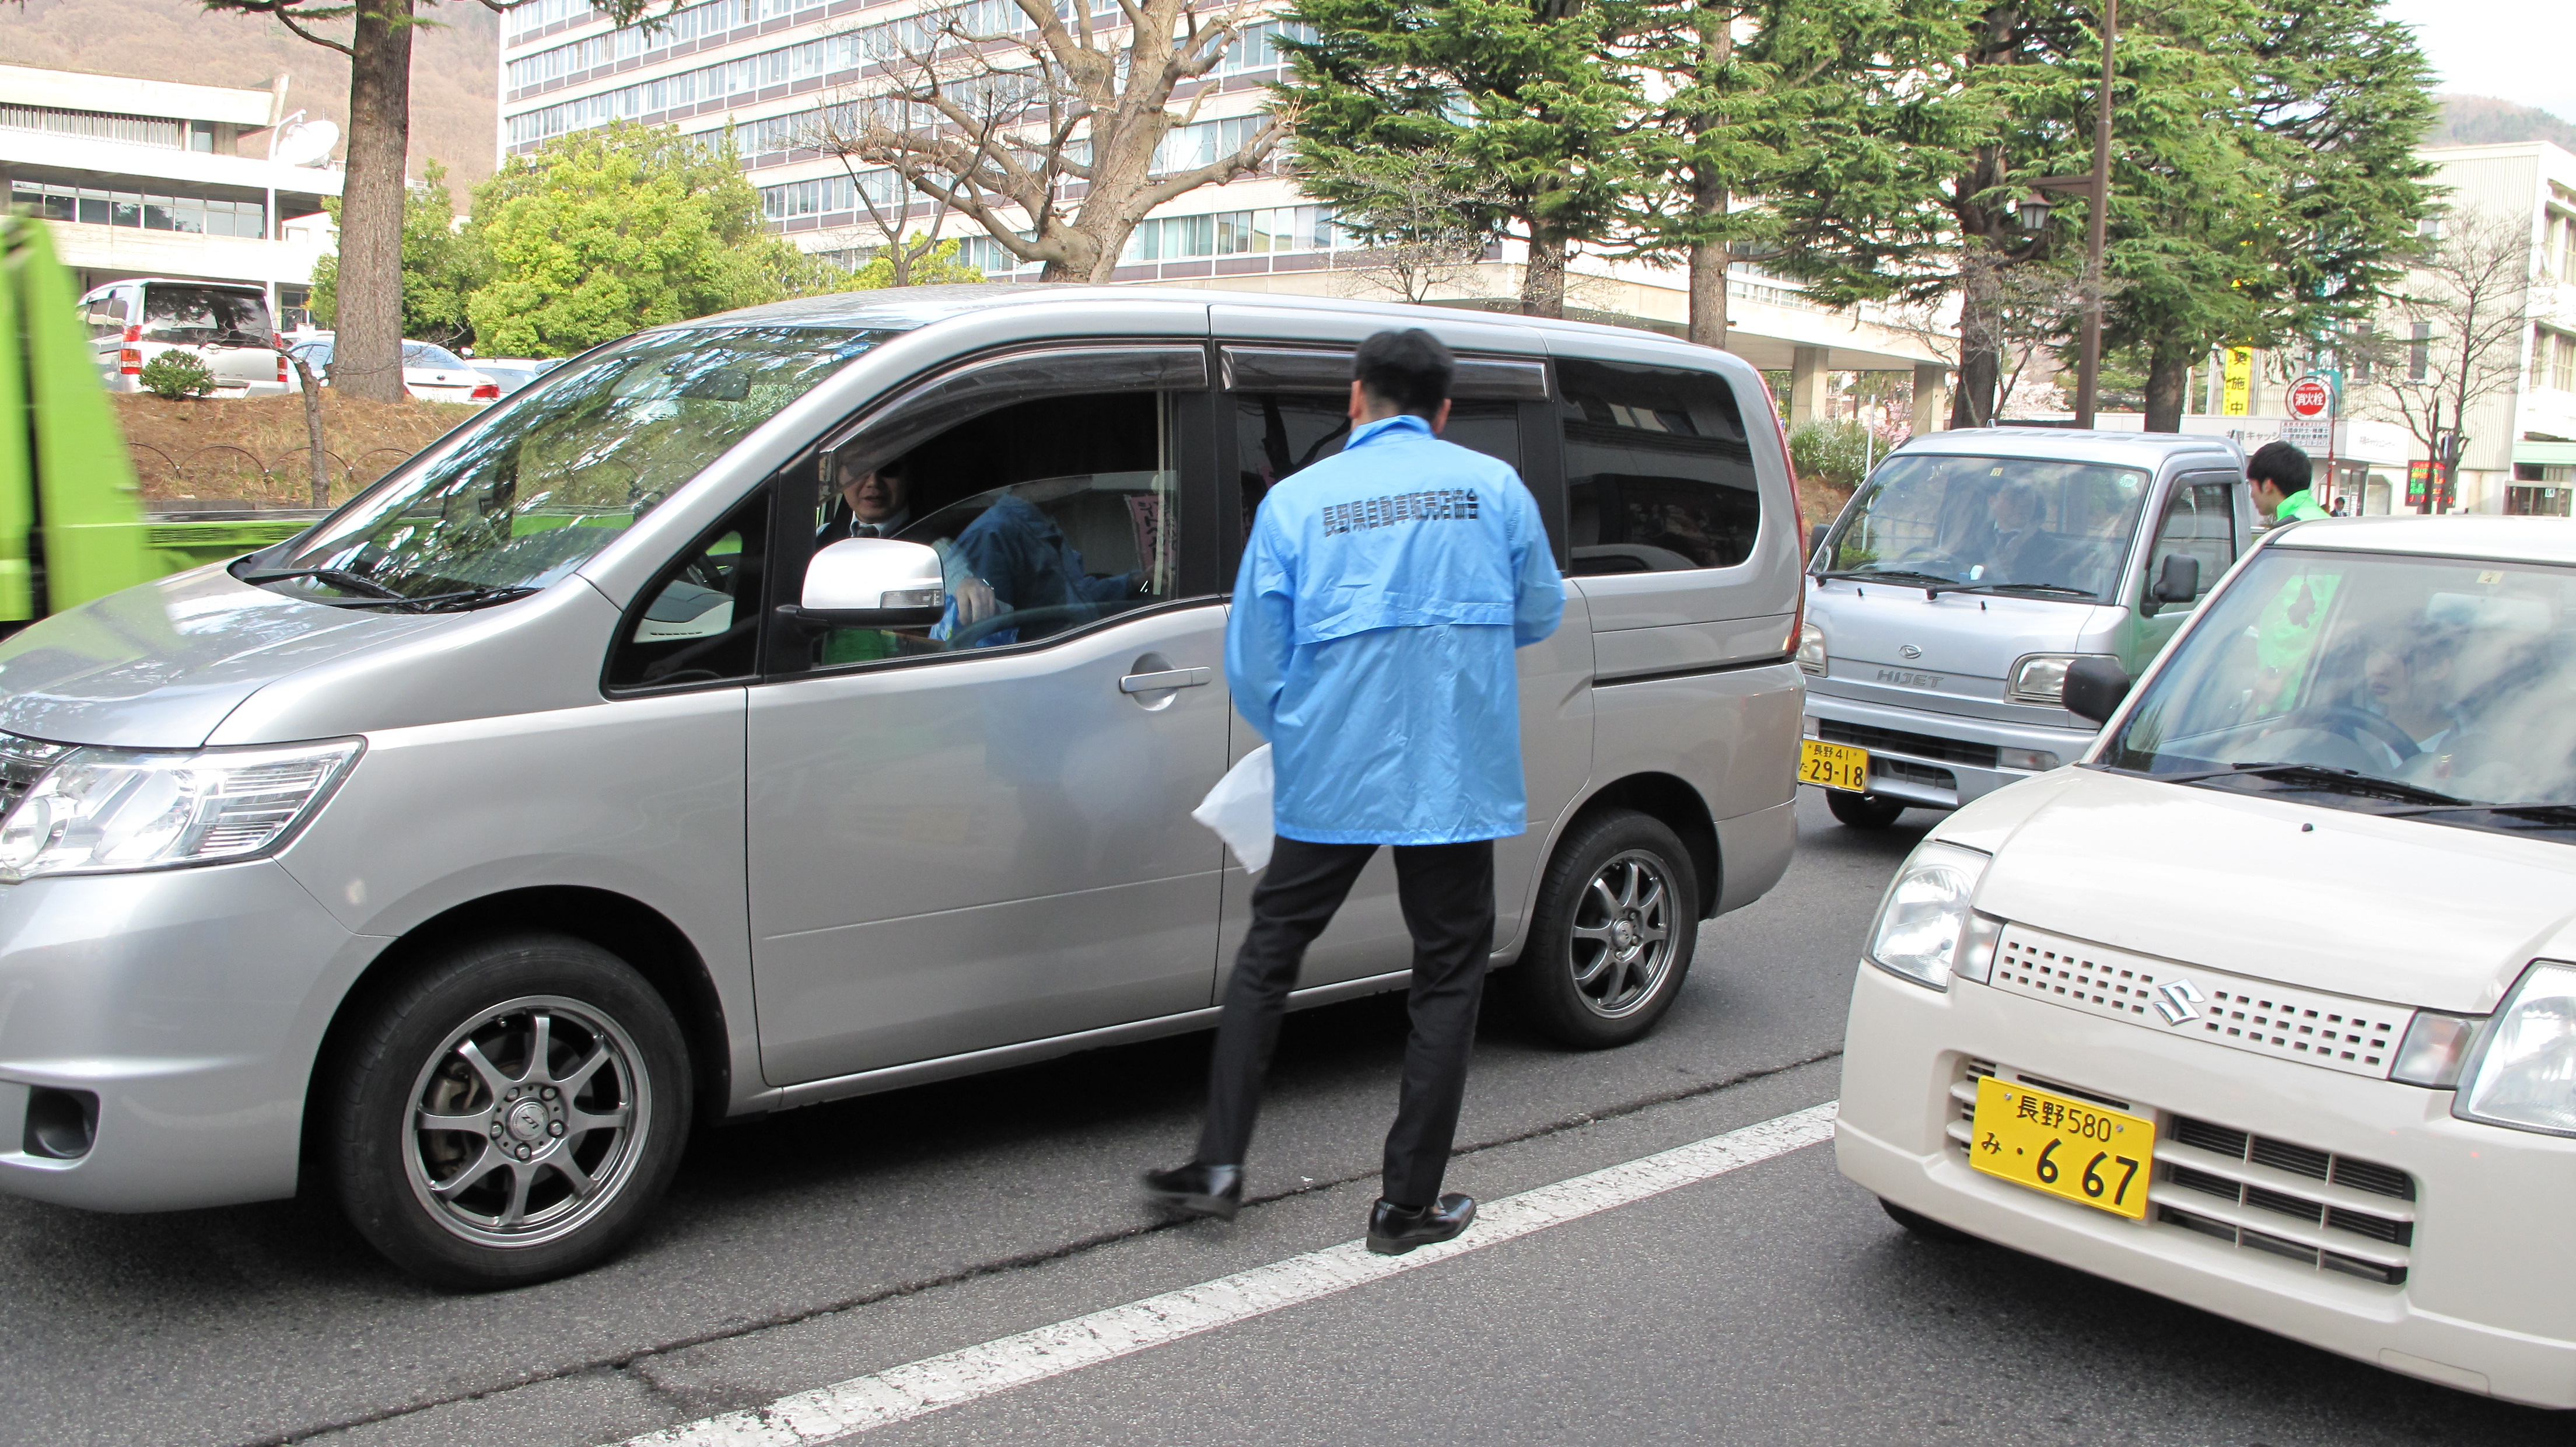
point(2176, 1006)
point(1909, 650)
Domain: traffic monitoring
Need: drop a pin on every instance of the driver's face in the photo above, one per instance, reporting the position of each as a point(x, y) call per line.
point(874, 496)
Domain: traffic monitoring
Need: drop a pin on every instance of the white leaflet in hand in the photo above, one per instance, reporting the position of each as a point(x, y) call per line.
point(1238, 809)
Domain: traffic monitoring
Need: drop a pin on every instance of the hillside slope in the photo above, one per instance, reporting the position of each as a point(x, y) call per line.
point(2483, 120)
point(455, 69)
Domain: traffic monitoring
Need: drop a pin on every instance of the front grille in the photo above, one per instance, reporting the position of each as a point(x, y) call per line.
point(2255, 1192)
point(1922, 775)
point(1922, 746)
point(21, 761)
point(2284, 1022)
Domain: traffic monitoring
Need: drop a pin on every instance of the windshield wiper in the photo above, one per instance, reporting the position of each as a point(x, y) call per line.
point(468, 598)
point(2553, 815)
point(2317, 776)
point(1926, 581)
point(2020, 588)
point(340, 578)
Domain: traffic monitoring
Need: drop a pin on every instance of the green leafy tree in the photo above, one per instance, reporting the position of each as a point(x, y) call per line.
point(916, 260)
point(368, 279)
point(176, 375)
point(1526, 91)
point(602, 232)
point(442, 265)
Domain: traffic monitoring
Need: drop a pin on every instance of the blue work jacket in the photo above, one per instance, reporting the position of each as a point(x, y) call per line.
point(1382, 595)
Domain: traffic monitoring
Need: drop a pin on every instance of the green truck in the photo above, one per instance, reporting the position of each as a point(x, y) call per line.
point(72, 522)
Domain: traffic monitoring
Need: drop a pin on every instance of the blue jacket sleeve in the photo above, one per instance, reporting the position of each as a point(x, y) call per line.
point(1538, 600)
point(1261, 630)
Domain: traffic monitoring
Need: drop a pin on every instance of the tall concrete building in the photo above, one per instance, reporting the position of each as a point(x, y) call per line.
point(151, 178)
point(763, 67)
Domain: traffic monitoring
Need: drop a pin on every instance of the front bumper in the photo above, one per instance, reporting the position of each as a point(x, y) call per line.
point(2487, 1302)
point(1934, 760)
point(190, 1003)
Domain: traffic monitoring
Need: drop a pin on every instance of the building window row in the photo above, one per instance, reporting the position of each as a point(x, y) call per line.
point(196, 214)
point(538, 14)
point(826, 195)
point(2553, 360)
point(1256, 49)
point(175, 135)
point(1233, 233)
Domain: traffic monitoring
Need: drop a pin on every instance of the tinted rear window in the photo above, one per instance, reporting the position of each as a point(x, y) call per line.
point(202, 316)
point(1659, 475)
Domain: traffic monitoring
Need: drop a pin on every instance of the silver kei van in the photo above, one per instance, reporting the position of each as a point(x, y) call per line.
point(1968, 572)
point(810, 701)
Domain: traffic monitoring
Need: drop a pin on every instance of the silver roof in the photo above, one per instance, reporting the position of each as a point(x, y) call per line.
point(2067, 444)
point(2503, 539)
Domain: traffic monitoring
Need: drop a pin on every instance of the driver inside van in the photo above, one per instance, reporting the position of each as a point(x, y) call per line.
point(2021, 549)
point(875, 502)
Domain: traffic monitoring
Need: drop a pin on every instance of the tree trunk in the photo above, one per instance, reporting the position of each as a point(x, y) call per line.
point(1972, 402)
point(1709, 260)
point(367, 357)
point(1708, 271)
point(313, 431)
point(1543, 279)
point(2168, 383)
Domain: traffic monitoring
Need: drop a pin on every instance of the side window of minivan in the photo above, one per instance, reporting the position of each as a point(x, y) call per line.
point(699, 622)
point(2199, 522)
point(1280, 434)
point(105, 315)
point(1658, 471)
point(1047, 514)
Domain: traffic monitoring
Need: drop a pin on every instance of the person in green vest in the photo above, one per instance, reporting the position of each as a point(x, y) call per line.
point(2278, 476)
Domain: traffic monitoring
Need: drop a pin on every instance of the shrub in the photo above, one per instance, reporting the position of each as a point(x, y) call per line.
point(1836, 452)
point(176, 374)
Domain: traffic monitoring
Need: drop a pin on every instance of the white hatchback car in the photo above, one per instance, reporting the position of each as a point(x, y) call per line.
point(2269, 1005)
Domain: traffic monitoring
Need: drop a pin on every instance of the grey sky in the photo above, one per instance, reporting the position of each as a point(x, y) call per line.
point(2522, 50)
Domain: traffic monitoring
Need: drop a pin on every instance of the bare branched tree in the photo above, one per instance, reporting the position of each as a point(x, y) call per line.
point(2457, 338)
point(1047, 131)
point(1418, 215)
point(2021, 307)
point(888, 227)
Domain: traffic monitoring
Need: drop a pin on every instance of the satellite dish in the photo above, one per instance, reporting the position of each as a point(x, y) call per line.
point(305, 143)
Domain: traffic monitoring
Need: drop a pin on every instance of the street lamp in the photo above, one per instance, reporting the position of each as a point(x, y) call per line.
point(2097, 187)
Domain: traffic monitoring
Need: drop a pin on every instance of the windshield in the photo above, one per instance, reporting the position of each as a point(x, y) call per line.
point(1992, 522)
point(203, 316)
point(2399, 683)
point(422, 354)
point(540, 485)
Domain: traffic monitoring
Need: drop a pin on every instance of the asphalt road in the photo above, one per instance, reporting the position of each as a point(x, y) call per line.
point(1770, 1304)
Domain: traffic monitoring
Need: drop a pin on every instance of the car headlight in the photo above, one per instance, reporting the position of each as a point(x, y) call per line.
point(1811, 649)
point(2522, 1072)
point(101, 811)
point(1925, 930)
point(2041, 677)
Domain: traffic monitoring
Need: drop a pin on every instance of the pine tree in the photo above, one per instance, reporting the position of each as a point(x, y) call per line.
point(1526, 91)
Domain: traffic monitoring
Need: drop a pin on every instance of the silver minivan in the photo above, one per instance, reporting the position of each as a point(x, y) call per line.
point(223, 325)
point(1968, 572)
point(587, 776)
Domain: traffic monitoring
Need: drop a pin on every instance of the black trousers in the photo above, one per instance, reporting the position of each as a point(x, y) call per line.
point(1447, 891)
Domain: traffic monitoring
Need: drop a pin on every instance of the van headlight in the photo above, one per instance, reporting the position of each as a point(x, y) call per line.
point(1925, 930)
point(1811, 650)
point(2522, 1073)
point(102, 811)
point(2041, 677)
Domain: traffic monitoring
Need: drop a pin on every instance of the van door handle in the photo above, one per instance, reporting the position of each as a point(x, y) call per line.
point(1167, 678)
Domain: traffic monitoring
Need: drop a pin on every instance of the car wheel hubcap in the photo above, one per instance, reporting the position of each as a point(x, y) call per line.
point(1622, 941)
point(526, 1122)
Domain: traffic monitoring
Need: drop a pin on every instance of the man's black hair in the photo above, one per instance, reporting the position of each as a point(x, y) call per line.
point(2281, 465)
point(1410, 369)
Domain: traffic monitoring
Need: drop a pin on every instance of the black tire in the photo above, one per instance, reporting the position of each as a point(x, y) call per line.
point(1863, 811)
point(1576, 980)
point(1924, 1226)
point(610, 1107)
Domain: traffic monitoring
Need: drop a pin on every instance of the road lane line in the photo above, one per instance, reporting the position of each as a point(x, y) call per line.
point(845, 1409)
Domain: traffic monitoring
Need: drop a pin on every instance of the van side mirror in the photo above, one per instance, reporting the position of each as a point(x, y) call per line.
point(2179, 582)
point(1816, 539)
point(872, 583)
point(2094, 688)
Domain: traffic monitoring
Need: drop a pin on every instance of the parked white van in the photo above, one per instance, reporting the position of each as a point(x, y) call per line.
point(227, 327)
point(2269, 1005)
point(586, 775)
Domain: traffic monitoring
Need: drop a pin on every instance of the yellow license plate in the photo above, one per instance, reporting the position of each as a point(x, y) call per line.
point(2069, 1148)
point(1836, 766)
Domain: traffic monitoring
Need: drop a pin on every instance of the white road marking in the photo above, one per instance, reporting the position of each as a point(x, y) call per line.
point(829, 1414)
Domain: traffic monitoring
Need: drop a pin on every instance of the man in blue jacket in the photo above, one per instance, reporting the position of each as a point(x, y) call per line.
point(1382, 595)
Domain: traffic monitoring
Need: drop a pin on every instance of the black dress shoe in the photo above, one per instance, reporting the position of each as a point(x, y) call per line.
point(1196, 1190)
point(1394, 1229)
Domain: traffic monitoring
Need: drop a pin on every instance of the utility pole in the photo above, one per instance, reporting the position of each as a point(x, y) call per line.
point(2088, 368)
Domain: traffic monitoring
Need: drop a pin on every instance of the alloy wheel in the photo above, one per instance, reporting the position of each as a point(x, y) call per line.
point(1621, 942)
point(526, 1122)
